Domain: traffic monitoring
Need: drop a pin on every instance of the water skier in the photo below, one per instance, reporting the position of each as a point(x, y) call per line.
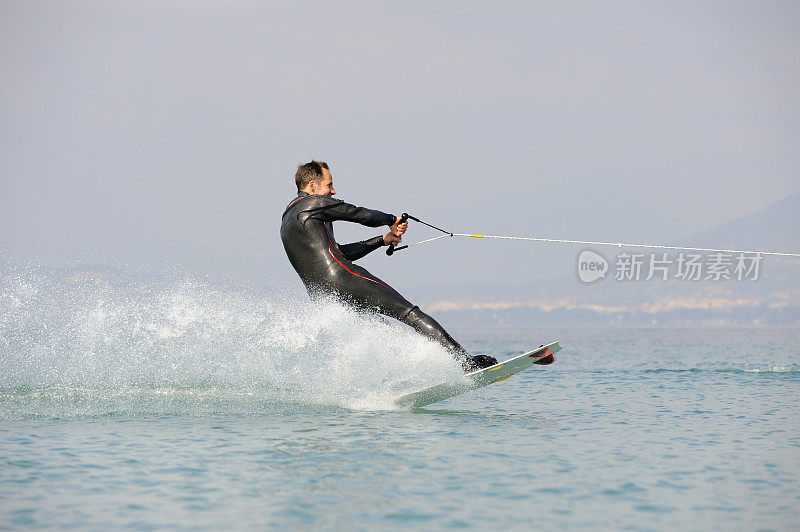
point(326, 267)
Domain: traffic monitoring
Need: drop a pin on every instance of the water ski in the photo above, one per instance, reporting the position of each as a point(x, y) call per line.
point(480, 378)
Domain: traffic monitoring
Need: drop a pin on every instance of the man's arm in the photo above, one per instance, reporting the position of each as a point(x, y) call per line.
point(356, 250)
point(329, 210)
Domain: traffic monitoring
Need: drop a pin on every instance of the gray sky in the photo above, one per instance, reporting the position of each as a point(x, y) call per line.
point(144, 131)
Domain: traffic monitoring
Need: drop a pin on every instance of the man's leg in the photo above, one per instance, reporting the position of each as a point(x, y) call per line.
point(367, 291)
point(426, 325)
point(429, 327)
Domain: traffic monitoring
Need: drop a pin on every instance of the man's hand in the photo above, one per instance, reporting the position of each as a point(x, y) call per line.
point(397, 231)
point(399, 228)
point(391, 238)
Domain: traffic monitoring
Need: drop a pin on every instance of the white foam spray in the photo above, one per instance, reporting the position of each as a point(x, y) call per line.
point(93, 342)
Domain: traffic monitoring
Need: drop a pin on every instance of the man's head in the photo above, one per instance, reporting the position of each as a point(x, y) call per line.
point(314, 178)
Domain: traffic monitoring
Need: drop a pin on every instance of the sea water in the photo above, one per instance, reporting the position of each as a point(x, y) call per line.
point(180, 404)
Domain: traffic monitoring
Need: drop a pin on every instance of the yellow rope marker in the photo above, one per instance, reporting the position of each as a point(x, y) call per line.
point(477, 236)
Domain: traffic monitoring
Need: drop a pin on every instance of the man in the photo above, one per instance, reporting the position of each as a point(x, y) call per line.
point(327, 267)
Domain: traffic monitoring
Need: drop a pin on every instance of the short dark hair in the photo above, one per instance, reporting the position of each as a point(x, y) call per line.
point(309, 172)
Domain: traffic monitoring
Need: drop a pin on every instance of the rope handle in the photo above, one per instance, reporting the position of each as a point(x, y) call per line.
point(391, 248)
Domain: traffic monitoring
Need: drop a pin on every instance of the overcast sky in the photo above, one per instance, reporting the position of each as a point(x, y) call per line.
point(144, 130)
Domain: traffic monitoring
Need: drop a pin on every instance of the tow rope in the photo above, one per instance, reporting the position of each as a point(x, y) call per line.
point(446, 234)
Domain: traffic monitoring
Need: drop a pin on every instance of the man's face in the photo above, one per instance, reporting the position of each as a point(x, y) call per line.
point(323, 187)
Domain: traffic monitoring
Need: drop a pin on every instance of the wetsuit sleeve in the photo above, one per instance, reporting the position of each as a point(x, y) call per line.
point(356, 250)
point(332, 209)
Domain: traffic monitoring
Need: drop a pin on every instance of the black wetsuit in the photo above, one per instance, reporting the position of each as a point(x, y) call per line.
point(327, 267)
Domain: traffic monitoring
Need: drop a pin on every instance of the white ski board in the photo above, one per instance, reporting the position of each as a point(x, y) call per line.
point(478, 379)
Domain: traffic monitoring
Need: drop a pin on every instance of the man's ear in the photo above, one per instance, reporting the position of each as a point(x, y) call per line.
point(312, 187)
